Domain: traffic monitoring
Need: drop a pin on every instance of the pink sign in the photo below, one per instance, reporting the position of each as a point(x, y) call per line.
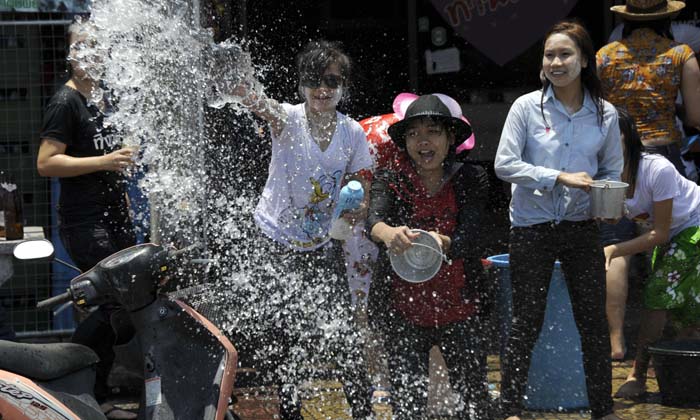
point(502, 29)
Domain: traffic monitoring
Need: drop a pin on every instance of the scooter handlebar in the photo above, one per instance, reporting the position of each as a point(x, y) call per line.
point(177, 253)
point(54, 301)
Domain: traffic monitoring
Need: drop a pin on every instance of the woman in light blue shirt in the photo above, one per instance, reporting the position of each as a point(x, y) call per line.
point(555, 142)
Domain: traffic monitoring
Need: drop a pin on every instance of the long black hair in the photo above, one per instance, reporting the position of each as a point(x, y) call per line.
point(662, 27)
point(632, 149)
point(589, 75)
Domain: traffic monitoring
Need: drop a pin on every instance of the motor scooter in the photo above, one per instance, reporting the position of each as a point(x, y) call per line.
point(189, 365)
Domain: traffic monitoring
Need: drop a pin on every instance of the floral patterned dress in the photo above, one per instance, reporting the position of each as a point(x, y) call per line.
point(642, 74)
point(674, 284)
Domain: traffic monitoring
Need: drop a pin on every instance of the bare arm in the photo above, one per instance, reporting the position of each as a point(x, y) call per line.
point(266, 108)
point(690, 88)
point(658, 235)
point(53, 161)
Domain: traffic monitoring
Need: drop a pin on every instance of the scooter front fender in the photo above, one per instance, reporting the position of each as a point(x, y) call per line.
point(189, 365)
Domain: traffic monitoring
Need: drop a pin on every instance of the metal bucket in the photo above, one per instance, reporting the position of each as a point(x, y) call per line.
point(607, 199)
point(421, 261)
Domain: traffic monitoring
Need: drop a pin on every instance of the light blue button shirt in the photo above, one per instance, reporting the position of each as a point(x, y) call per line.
point(530, 156)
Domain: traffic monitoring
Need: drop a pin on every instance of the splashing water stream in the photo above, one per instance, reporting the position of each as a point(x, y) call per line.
point(160, 67)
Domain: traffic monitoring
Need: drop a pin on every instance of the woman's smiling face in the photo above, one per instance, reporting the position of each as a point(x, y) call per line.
point(428, 143)
point(325, 98)
point(562, 60)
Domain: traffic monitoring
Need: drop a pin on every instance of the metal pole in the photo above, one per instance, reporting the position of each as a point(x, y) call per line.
point(412, 45)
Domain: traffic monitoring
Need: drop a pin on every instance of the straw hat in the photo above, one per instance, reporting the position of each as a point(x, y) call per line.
point(648, 9)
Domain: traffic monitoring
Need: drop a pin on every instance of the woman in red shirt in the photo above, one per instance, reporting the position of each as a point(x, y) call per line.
point(427, 189)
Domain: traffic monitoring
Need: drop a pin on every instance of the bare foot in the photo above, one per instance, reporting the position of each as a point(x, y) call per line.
point(513, 418)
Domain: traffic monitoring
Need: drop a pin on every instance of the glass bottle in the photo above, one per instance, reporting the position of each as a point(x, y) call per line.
point(12, 209)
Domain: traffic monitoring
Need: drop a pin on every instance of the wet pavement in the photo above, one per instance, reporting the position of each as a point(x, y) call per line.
point(325, 401)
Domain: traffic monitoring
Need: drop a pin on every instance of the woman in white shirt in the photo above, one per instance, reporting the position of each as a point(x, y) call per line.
point(660, 197)
point(302, 295)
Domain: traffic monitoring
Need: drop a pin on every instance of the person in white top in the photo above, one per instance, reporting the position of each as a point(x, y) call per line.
point(660, 197)
point(315, 150)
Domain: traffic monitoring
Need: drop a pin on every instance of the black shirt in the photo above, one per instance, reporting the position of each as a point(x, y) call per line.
point(69, 119)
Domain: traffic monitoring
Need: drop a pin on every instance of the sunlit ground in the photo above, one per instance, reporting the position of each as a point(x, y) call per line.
point(327, 402)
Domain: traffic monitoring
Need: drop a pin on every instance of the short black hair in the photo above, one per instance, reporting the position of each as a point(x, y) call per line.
point(316, 56)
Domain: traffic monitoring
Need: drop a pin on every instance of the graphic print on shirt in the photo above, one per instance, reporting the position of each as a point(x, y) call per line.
point(314, 218)
point(106, 141)
point(104, 138)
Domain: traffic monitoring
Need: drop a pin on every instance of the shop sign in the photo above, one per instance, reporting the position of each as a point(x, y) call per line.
point(502, 29)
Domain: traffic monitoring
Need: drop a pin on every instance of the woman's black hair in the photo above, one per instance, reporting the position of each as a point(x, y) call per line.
point(633, 148)
point(315, 58)
point(662, 27)
point(589, 75)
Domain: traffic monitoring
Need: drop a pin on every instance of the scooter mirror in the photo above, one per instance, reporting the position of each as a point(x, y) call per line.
point(33, 250)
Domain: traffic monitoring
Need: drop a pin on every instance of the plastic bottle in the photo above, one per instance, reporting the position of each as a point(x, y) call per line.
point(11, 209)
point(351, 196)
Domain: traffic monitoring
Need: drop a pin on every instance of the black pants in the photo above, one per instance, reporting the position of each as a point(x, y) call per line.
point(408, 348)
point(87, 244)
point(302, 325)
point(533, 251)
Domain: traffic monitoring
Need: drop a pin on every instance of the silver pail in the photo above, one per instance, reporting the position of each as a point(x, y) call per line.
point(421, 261)
point(607, 199)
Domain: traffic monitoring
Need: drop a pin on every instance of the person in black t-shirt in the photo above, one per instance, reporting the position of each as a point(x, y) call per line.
point(93, 207)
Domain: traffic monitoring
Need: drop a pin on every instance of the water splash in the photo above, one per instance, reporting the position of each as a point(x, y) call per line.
point(161, 69)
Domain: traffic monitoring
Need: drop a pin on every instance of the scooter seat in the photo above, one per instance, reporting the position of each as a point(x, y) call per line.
point(44, 362)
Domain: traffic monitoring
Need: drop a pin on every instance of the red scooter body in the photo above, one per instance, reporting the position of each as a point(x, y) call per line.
point(189, 365)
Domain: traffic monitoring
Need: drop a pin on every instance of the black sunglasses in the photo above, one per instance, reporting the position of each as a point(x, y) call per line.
point(332, 81)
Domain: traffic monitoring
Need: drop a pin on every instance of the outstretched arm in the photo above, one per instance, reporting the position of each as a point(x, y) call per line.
point(266, 108)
